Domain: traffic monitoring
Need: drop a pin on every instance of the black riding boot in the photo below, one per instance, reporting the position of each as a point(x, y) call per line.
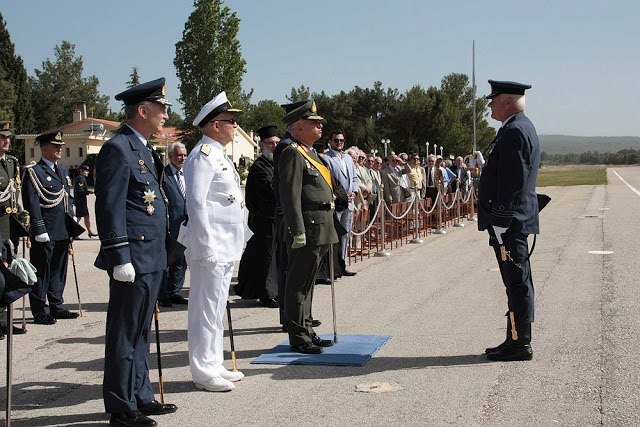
point(506, 341)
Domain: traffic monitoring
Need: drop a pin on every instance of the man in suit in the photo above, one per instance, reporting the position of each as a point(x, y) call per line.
point(131, 214)
point(392, 180)
point(343, 170)
point(45, 194)
point(257, 275)
point(434, 179)
point(508, 210)
point(175, 189)
point(214, 237)
point(417, 176)
point(306, 196)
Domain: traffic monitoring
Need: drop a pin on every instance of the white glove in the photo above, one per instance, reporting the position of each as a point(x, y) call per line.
point(43, 238)
point(208, 262)
point(499, 231)
point(124, 272)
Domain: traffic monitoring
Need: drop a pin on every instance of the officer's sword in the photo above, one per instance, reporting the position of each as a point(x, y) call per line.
point(75, 275)
point(9, 362)
point(333, 293)
point(233, 348)
point(160, 379)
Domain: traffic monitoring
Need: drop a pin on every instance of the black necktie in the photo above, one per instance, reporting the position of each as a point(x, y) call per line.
point(4, 164)
point(57, 171)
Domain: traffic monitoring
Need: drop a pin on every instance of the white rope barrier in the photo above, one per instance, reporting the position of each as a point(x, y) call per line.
point(375, 217)
point(454, 200)
point(413, 198)
point(435, 203)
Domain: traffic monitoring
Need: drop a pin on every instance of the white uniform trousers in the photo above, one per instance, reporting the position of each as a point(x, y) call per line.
point(209, 289)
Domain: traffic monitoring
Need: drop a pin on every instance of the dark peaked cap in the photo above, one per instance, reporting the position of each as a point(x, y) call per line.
point(512, 88)
point(154, 91)
point(5, 128)
point(300, 110)
point(267, 132)
point(54, 137)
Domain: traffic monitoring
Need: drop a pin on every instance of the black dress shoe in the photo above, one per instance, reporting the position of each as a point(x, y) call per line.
point(307, 348)
point(315, 323)
point(45, 319)
point(320, 342)
point(269, 302)
point(156, 408)
point(497, 348)
point(179, 299)
point(16, 331)
point(348, 273)
point(284, 328)
point(131, 419)
point(166, 302)
point(92, 235)
point(66, 314)
point(321, 281)
point(512, 353)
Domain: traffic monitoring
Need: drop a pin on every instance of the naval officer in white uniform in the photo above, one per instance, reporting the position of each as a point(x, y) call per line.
point(214, 236)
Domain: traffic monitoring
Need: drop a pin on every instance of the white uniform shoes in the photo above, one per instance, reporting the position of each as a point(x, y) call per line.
point(232, 376)
point(216, 384)
point(222, 383)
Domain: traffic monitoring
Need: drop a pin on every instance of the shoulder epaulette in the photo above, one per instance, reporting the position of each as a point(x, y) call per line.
point(205, 149)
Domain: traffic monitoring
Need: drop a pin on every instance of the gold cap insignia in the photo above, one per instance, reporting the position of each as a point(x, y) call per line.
point(164, 90)
point(58, 136)
point(5, 126)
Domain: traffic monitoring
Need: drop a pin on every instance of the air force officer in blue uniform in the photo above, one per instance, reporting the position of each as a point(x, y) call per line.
point(131, 215)
point(45, 194)
point(508, 210)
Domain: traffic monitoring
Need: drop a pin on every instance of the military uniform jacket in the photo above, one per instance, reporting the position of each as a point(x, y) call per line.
point(508, 182)
point(131, 211)
point(216, 226)
point(177, 204)
point(5, 178)
point(305, 197)
point(49, 219)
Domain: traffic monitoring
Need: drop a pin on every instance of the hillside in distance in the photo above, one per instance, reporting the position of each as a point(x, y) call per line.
point(563, 144)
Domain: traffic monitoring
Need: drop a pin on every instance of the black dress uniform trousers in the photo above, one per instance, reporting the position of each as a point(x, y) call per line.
point(50, 260)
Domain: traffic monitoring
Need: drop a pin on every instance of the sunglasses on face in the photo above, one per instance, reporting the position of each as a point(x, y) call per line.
point(338, 140)
point(231, 120)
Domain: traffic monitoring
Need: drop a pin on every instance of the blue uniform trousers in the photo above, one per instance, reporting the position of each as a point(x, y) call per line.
point(173, 279)
point(50, 259)
point(516, 274)
point(126, 382)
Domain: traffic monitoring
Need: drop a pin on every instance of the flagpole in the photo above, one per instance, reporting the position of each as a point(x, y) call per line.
point(473, 82)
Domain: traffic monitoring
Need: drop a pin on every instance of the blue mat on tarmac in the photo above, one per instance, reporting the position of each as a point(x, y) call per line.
point(350, 350)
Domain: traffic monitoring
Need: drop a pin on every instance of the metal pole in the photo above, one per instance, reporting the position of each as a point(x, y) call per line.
point(474, 94)
point(333, 293)
point(25, 242)
point(75, 275)
point(458, 219)
point(233, 348)
point(472, 207)
point(9, 363)
point(416, 200)
point(440, 230)
point(160, 379)
point(383, 252)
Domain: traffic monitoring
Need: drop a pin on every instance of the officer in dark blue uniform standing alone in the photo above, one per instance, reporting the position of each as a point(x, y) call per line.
point(131, 215)
point(508, 210)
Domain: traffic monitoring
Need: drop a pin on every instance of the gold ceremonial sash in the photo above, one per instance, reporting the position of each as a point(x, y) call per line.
point(324, 171)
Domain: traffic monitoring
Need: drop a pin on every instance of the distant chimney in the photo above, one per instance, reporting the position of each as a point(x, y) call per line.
point(77, 115)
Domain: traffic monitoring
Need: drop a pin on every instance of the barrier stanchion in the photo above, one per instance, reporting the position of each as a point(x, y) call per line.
point(383, 252)
point(472, 189)
point(416, 239)
point(440, 230)
point(458, 216)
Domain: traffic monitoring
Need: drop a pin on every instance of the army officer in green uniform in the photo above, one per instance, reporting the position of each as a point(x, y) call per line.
point(306, 198)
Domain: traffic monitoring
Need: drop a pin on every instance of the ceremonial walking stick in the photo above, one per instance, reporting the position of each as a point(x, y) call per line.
point(233, 348)
point(160, 380)
point(333, 294)
point(9, 362)
point(24, 255)
point(75, 275)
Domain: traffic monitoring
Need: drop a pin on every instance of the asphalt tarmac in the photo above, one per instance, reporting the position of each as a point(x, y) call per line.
point(443, 303)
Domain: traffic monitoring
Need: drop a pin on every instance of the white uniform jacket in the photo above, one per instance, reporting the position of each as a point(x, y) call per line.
point(215, 205)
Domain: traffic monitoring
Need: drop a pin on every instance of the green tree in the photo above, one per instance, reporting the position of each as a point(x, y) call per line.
point(8, 98)
point(134, 78)
point(266, 112)
point(58, 88)
point(299, 94)
point(208, 61)
point(175, 120)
